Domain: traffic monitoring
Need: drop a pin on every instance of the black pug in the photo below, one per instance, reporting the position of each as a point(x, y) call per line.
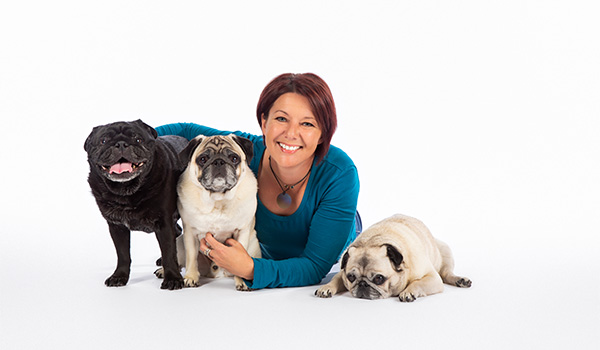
point(133, 177)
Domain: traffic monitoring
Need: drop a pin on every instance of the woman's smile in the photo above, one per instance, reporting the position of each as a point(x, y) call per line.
point(288, 148)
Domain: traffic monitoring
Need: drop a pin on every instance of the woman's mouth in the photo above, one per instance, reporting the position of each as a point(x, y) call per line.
point(288, 148)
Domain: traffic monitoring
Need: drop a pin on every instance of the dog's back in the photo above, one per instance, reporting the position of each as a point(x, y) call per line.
point(411, 237)
point(173, 145)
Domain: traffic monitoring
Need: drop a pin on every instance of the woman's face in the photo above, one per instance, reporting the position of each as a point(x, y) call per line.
point(291, 131)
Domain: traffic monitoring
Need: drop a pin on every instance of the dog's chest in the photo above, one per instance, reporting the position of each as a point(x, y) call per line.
point(218, 221)
point(136, 219)
point(223, 220)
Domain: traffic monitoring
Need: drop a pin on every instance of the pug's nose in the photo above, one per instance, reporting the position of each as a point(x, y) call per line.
point(219, 162)
point(121, 144)
point(362, 284)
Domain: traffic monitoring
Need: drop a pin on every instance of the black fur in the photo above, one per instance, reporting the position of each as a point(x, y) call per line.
point(186, 154)
point(344, 260)
point(246, 145)
point(147, 202)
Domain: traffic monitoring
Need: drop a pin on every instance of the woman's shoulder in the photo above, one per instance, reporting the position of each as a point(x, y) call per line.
point(336, 176)
point(336, 166)
point(337, 158)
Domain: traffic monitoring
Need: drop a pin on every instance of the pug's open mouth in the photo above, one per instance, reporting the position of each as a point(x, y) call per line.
point(123, 170)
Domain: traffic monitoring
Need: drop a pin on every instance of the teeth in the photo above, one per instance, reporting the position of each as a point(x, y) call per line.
point(289, 148)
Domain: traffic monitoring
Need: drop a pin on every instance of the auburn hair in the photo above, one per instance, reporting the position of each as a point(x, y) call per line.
point(319, 96)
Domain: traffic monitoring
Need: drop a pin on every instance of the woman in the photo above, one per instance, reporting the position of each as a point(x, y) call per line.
point(307, 189)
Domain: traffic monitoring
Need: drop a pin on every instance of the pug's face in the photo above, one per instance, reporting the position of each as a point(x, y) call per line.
point(373, 272)
point(218, 160)
point(121, 151)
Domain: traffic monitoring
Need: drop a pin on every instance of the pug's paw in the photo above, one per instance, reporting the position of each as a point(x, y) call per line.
point(240, 285)
point(172, 283)
point(116, 280)
point(191, 280)
point(407, 297)
point(464, 282)
point(324, 292)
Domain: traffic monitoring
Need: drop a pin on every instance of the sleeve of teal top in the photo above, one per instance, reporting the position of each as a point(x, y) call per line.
point(191, 130)
point(332, 228)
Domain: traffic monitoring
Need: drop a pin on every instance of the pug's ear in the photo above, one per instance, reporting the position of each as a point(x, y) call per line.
point(88, 142)
point(246, 145)
point(395, 256)
point(186, 154)
point(150, 129)
point(346, 257)
point(344, 260)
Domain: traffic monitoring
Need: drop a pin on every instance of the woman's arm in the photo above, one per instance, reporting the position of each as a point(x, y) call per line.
point(231, 256)
point(331, 230)
point(188, 130)
point(191, 130)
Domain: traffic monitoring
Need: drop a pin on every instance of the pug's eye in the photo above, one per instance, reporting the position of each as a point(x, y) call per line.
point(351, 278)
point(234, 159)
point(138, 140)
point(103, 141)
point(378, 280)
point(202, 160)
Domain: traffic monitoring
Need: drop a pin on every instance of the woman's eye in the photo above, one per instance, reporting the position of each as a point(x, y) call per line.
point(308, 124)
point(280, 119)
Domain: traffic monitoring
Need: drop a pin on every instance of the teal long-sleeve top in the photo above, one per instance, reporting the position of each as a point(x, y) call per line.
point(299, 249)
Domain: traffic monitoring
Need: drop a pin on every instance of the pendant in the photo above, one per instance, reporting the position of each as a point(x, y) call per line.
point(284, 200)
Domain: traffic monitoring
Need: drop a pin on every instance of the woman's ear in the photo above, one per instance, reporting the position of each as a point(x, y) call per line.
point(263, 123)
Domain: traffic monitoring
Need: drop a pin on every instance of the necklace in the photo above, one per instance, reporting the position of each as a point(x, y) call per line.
point(283, 199)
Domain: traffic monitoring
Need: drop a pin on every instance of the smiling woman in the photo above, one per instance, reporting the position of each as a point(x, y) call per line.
point(307, 189)
point(305, 91)
point(291, 135)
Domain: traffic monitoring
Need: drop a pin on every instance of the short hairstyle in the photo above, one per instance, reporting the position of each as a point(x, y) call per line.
point(319, 96)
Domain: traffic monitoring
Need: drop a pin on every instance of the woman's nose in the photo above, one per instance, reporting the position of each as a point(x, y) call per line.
point(292, 131)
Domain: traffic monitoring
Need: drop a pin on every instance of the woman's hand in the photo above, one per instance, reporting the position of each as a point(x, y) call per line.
point(230, 256)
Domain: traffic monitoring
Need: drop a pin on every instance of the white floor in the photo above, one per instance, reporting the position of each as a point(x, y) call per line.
point(524, 299)
point(479, 118)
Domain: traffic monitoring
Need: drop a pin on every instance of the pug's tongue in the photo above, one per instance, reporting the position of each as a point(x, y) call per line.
point(120, 168)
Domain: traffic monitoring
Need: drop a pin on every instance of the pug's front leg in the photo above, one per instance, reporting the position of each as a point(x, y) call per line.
point(429, 284)
point(171, 272)
point(336, 285)
point(121, 237)
point(192, 275)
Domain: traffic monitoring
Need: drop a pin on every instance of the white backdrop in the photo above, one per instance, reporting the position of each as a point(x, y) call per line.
point(481, 118)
